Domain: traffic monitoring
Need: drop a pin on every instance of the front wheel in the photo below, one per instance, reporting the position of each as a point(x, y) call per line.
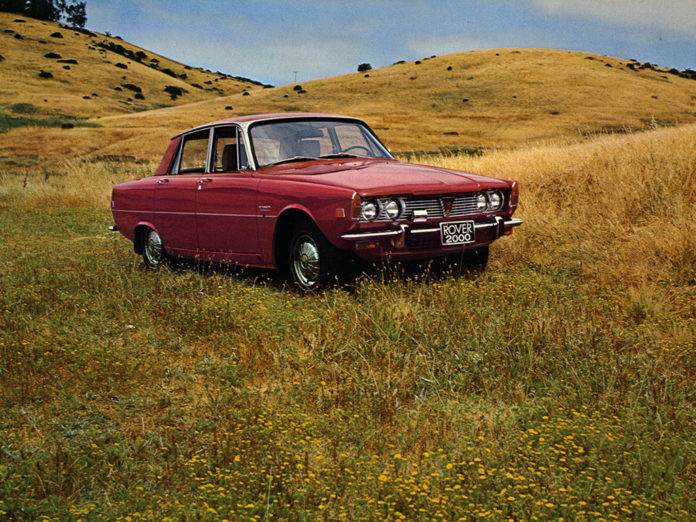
point(153, 250)
point(312, 260)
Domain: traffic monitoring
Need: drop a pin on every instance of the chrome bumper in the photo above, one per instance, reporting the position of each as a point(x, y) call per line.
point(499, 223)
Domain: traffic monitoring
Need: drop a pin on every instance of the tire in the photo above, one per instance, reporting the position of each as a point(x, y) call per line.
point(312, 261)
point(154, 254)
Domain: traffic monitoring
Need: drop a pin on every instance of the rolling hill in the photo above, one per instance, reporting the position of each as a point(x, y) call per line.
point(48, 70)
point(488, 98)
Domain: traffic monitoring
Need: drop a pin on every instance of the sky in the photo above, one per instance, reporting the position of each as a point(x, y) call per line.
point(280, 42)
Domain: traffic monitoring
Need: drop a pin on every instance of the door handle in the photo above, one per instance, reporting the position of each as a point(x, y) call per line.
point(204, 180)
point(162, 181)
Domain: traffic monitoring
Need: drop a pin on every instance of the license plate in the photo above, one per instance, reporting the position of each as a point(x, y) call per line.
point(457, 233)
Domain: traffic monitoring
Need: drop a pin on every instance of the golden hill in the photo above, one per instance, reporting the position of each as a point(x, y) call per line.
point(489, 98)
point(54, 70)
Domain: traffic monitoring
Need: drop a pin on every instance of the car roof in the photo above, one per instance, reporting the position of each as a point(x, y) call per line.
point(252, 118)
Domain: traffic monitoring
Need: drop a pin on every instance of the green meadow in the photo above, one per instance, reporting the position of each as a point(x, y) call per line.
point(557, 384)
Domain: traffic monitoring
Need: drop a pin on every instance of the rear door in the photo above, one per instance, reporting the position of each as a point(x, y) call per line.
point(175, 195)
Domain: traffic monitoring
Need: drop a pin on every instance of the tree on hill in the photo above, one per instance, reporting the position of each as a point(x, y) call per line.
point(74, 13)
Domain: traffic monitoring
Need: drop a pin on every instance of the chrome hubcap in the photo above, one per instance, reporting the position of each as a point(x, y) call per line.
point(153, 248)
point(306, 261)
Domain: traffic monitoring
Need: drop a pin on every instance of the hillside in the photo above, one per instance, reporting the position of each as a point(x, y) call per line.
point(491, 98)
point(48, 69)
point(488, 98)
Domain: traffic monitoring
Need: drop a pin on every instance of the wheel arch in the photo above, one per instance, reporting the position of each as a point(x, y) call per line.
point(287, 220)
point(139, 235)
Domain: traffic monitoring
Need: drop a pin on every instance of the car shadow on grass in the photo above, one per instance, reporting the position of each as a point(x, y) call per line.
point(355, 273)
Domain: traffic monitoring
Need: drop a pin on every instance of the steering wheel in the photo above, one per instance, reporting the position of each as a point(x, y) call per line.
point(368, 152)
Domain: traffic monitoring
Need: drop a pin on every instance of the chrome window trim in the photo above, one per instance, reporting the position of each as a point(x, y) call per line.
point(180, 152)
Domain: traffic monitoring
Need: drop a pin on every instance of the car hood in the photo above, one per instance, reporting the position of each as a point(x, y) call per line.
point(374, 178)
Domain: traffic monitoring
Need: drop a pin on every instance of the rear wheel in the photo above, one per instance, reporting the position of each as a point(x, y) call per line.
point(153, 250)
point(312, 260)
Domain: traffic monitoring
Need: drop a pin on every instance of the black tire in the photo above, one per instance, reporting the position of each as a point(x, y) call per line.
point(313, 262)
point(154, 254)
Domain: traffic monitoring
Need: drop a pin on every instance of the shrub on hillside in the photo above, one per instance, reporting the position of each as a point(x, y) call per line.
point(174, 91)
point(121, 65)
point(51, 55)
point(19, 36)
point(169, 72)
point(69, 60)
point(57, 34)
point(24, 108)
point(131, 87)
point(364, 67)
point(45, 74)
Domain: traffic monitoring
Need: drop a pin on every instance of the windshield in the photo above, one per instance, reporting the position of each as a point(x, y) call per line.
point(276, 142)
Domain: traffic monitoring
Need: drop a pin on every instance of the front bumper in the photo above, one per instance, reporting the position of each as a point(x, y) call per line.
point(500, 226)
point(410, 243)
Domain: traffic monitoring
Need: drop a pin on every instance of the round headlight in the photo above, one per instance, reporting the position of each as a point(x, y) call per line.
point(481, 202)
point(496, 200)
point(370, 210)
point(392, 209)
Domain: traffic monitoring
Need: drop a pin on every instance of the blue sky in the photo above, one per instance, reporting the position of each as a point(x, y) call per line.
point(274, 41)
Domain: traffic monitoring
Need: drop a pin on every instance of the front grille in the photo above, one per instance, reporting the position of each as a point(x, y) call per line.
point(435, 206)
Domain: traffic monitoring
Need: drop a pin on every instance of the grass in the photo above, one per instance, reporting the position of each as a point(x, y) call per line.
point(557, 384)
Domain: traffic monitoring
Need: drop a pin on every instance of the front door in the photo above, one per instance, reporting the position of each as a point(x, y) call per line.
point(226, 199)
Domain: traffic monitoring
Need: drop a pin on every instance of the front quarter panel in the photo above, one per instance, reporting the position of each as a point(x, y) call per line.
point(328, 207)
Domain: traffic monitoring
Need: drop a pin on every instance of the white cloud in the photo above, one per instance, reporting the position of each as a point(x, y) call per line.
point(670, 15)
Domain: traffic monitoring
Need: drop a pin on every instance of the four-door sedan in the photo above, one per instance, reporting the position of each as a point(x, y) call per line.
point(302, 193)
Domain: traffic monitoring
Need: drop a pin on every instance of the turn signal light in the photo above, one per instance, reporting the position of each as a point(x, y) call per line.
point(514, 197)
point(355, 206)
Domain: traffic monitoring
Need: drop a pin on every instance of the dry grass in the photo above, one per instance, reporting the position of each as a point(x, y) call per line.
point(618, 210)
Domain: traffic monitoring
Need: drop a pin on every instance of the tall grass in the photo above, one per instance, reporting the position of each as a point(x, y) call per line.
point(557, 384)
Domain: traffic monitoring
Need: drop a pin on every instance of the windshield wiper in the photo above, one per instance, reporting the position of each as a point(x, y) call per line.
point(339, 155)
point(294, 158)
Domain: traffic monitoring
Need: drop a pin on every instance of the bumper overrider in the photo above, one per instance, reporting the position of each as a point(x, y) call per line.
point(499, 227)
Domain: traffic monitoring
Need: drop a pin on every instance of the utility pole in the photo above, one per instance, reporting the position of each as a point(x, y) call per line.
point(295, 76)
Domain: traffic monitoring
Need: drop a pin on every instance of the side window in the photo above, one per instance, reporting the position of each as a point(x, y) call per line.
point(229, 154)
point(194, 152)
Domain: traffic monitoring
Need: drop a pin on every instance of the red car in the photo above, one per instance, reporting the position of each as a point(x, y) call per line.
point(303, 192)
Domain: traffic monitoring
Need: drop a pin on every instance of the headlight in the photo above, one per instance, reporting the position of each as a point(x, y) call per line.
point(370, 210)
point(392, 209)
point(495, 200)
point(481, 202)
